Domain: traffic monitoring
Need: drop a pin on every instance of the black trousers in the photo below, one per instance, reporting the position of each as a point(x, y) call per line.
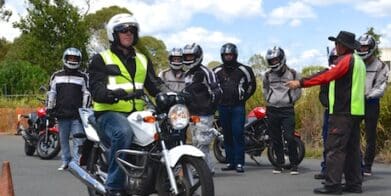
point(282, 121)
point(371, 117)
point(343, 151)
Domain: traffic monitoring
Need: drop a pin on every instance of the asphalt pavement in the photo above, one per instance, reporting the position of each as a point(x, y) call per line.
point(35, 177)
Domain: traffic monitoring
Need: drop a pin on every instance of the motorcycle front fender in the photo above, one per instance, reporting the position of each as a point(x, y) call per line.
point(177, 152)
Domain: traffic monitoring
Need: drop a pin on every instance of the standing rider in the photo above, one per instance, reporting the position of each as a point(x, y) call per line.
point(205, 93)
point(108, 90)
point(238, 84)
point(68, 91)
point(174, 77)
point(375, 85)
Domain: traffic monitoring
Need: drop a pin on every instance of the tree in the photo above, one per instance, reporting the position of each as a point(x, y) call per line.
point(258, 63)
point(50, 27)
point(155, 49)
point(4, 13)
point(213, 64)
point(21, 77)
point(371, 31)
point(4, 47)
point(310, 70)
point(96, 25)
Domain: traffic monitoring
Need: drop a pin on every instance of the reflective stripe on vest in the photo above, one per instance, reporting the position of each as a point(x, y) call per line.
point(357, 100)
point(123, 81)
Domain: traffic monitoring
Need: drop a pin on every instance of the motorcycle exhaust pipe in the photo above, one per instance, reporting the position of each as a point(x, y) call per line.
point(85, 177)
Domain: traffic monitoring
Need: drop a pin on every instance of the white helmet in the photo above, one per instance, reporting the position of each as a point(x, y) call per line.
point(176, 52)
point(367, 40)
point(119, 22)
point(273, 53)
point(69, 63)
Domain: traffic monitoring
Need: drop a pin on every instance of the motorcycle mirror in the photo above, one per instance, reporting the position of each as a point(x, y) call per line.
point(113, 69)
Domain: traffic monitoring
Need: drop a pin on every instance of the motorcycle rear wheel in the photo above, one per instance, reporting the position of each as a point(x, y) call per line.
point(29, 150)
point(50, 149)
point(286, 165)
point(192, 177)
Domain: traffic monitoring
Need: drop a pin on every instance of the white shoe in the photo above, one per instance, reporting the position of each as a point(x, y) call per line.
point(64, 166)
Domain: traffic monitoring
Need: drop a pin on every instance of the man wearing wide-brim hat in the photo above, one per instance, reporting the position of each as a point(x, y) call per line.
point(346, 109)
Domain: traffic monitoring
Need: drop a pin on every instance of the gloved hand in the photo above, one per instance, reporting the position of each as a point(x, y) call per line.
point(119, 93)
point(50, 113)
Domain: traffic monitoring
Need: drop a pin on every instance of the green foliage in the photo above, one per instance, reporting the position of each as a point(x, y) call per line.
point(310, 70)
point(258, 63)
point(96, 24)
point(155, 50)
point(21, 77)
point(257, 98)
point(214, 64)
point(4, 47)
point(97, 20)
point(371, 31)
point(51, 27)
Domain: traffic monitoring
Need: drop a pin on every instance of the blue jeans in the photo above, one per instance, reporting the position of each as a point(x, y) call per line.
point(232, 121)
point(115, 129)
point(68, 126)
point(324, 136)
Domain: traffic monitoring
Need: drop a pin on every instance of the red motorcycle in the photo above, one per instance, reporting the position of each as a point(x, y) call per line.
point(41, 134)
point(257, 139)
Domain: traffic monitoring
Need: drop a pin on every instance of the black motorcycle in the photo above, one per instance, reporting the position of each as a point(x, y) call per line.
point(41, 135)
point(257, 139)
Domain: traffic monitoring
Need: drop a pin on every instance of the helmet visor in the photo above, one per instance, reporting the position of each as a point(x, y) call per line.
point(124, 28)
point(72, 59)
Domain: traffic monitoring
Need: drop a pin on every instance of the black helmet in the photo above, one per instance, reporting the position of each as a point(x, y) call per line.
point(366, 40)
point(192, 55)
point(273, 54)
point(229, 48)
point(332, 56)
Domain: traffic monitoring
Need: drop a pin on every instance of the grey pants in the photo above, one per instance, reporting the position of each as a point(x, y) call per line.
point(202, 136)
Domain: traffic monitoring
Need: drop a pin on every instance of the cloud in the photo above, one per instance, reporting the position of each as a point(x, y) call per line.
point(378, 8)
point(385, 39)
point(168, 15)
point(327, 2)
point(210, 41)
point(293, 13)
point(306, 58)
point(7, 31)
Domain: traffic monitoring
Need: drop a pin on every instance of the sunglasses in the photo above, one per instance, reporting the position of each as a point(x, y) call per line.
point(124, 29)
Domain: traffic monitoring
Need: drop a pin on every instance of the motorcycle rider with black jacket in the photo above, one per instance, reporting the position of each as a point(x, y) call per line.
point(205, 93)
point(238, 84)
point(68, 91)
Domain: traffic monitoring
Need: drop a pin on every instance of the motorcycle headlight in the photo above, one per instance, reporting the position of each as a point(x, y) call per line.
point(178, 116)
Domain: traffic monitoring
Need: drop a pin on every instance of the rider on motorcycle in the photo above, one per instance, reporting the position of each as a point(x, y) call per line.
point(108, 91)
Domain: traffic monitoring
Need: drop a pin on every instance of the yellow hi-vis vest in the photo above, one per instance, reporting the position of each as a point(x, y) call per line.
point(128, 84)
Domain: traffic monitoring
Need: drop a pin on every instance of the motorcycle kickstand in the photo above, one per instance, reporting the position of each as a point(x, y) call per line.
point(253, 158)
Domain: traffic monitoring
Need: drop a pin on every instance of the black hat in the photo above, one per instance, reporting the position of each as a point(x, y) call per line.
point(348, 39)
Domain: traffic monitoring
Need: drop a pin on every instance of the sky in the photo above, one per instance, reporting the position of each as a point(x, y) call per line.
point(300, 27)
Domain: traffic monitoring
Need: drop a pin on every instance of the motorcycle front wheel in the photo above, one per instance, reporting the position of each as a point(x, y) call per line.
point(192, 177)
point(50, 148)
point(271, 154)
point(219, 151)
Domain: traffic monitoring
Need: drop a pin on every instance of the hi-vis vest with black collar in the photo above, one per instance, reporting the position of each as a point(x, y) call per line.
point(115, 82)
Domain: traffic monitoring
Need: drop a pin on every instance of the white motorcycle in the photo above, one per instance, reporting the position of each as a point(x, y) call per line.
point(158, 162)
